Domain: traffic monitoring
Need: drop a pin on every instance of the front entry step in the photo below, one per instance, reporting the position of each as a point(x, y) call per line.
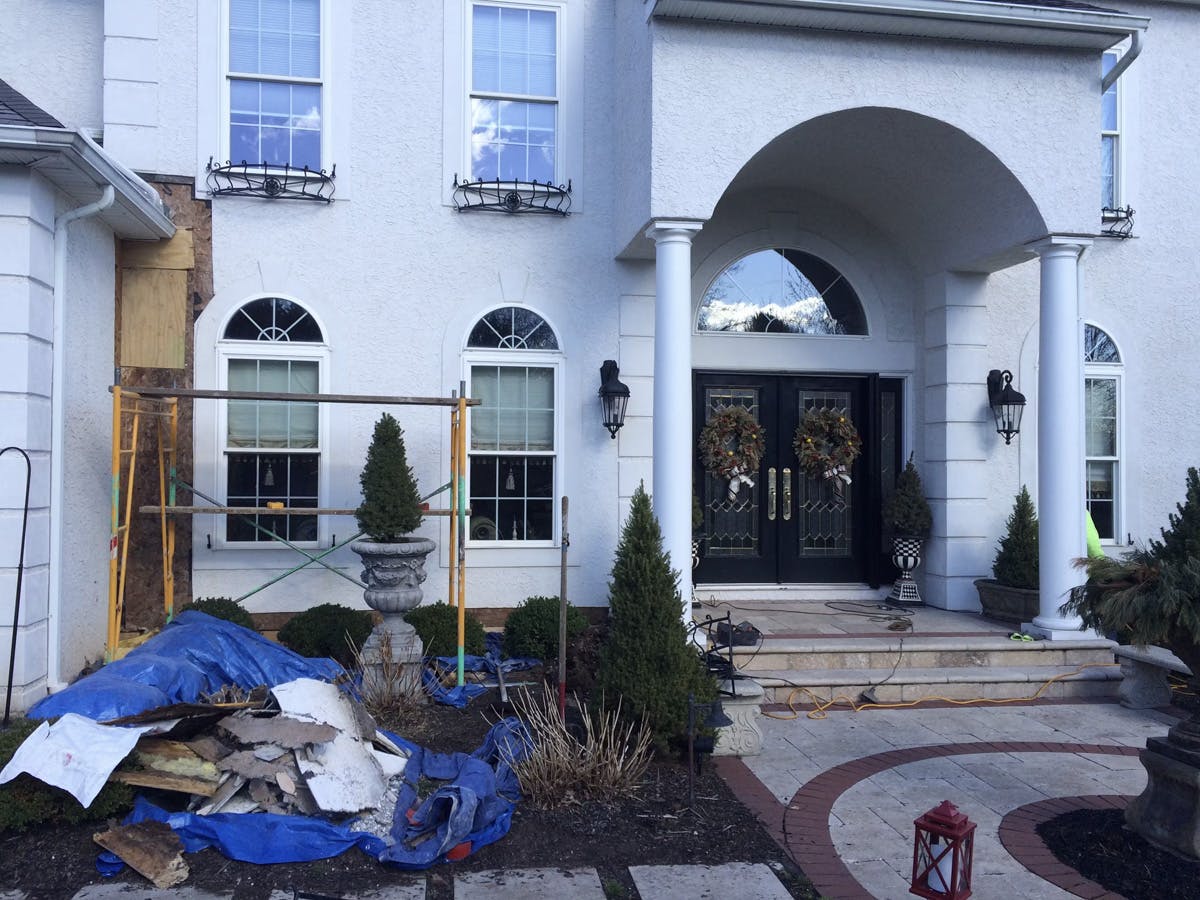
point(712, 594)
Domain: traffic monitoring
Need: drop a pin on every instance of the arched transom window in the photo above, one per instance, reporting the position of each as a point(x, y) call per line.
point(781, 291)
point(272, 449)
point(514, 367)
point(1102, 410)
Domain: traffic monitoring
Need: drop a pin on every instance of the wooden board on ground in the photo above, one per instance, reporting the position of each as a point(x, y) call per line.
point(150, 848)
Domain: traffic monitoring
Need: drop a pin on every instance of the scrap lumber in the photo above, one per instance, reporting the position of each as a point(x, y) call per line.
point(182, 711)
point(165, 781)
point(150, 848)
point(174, 757)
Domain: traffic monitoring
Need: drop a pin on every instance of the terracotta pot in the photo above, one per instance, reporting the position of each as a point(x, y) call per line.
point(1011, 605)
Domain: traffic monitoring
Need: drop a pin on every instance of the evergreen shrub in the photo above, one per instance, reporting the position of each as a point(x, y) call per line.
point(907, 510)
point(224, 608)
point(532, 628)
point(391, 506)
point(26, 802)
point(648, 662)
point(1016, 563)
point(324, 631)
point(437, 627)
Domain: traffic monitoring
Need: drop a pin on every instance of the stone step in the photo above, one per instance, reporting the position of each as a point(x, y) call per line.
point(915, 652)
point(950, 683)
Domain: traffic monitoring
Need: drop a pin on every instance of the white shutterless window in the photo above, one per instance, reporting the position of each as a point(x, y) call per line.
point(1103, 410)
point(513, 365)
point(272, 450)
point(1110, 138)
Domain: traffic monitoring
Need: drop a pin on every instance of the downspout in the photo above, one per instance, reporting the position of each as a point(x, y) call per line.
point(58, 419)
point(1124, 61)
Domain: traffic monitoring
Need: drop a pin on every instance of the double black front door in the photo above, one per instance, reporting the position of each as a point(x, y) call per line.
point(790, 527)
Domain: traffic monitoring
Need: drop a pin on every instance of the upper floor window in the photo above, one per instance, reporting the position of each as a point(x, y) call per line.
point(275, 82)
point(272, 448)
point(781, 291)
point(1102, 418)
point(1110, 138)
point(514, 93)
point(514, 368)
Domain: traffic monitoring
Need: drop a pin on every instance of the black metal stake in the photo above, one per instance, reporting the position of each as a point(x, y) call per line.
point(12, 653)
point(692, 752)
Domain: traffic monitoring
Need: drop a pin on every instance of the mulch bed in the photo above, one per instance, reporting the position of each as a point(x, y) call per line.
point(1097, 844)
point(656, 828)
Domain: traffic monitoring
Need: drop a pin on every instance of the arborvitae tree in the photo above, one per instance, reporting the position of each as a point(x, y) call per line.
point(391, 504)
point(907, 509)
point(1016, 563)
point(648, 661)
point(1182, 539)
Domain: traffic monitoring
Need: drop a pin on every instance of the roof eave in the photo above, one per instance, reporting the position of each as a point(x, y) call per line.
point(949, 19)
point(58, 154)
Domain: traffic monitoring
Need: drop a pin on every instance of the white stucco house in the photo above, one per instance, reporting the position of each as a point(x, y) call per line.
point(783, 205)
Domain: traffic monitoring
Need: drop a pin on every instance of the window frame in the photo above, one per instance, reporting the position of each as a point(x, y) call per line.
point(1115, 372)
point(227, 76)
point(1118, 134)
point(548, 359)
point(230, 349)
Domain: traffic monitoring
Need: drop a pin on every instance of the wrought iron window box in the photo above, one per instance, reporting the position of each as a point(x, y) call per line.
point(512, 196)
point(272, 182)
point(1118, 222)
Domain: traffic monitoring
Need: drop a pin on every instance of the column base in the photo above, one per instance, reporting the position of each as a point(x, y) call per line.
point(1056, 628)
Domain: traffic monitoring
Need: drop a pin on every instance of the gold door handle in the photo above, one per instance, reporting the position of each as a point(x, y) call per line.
point(771, 494)
point(787, 495)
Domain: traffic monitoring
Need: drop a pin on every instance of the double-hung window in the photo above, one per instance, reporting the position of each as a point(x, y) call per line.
point(272, 449)
point(1110, 139)
point(1102, 418)
point(513, 363)
point(274, 82)
point(514, 85)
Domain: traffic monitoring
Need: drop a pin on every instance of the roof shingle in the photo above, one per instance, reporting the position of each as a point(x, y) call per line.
point(17, 109)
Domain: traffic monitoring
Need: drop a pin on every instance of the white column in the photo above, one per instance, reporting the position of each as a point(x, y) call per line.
point(672, 488)
point(1060, 448)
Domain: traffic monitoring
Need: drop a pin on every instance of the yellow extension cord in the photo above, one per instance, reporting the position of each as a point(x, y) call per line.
point(820, 705)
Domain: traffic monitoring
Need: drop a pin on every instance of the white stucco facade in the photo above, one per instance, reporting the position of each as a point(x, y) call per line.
point(924, 165)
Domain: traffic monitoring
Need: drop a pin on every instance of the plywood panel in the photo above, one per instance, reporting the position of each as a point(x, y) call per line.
point(154, 317)
point(176, 253)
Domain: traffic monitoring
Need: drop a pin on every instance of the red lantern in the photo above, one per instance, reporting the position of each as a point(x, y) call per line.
point(942, 849)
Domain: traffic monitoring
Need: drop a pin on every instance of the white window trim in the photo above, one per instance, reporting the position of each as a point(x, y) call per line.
point(1115, 371)
point(227, 350)
point(548, 359)
point(456, 92)
point(1120, 186)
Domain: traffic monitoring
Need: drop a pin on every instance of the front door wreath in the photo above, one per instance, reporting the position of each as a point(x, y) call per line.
point(828, 444)
point(731, 446)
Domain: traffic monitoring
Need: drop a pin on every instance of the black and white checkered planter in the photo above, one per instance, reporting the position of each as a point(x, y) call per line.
point(906, 556)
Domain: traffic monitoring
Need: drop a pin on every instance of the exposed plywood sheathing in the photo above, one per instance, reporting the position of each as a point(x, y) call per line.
point(154, 318)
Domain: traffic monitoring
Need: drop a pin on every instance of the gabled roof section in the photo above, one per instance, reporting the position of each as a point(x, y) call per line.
point(17, 109)
point(1047, 23)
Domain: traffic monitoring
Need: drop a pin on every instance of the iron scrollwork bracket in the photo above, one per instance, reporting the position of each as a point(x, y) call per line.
point(273, 182)
point(512, 196)
point(1118, 222)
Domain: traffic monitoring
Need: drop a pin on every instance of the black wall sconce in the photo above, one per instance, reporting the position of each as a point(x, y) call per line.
point(614, 397)
point(1007, 404)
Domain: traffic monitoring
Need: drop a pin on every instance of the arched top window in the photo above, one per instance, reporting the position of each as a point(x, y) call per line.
point(781, 291)
point(273, 319)
point(512, 328)
point(1098, 347)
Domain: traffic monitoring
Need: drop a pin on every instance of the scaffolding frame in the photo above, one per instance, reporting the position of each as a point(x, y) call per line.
point(162, 406)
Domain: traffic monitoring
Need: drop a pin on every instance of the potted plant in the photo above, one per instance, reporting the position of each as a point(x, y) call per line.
point(1152, 597)
point(393, 563)
point(907, 512)
point(1012, 594)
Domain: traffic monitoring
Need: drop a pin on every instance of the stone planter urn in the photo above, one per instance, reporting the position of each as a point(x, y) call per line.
point(906, 556)
point(1011, 605)
point(393, 573)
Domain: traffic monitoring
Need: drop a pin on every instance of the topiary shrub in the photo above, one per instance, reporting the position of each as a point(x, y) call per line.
point(224, 608)
point(323, 631)
point(907, 510)
point(437, 626)
point(26, 802)
point(391, 506)
point(532, 628)
point(1016, 563)
point(647, 661)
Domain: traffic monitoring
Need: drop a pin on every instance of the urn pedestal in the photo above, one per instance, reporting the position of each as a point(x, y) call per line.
point(906, 556)
point(393, 574)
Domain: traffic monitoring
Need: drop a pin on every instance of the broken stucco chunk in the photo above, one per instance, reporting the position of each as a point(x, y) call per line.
point(282, 731)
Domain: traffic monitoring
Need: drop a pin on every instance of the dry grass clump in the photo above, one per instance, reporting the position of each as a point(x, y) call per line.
point(393, 693)
point(561, 768)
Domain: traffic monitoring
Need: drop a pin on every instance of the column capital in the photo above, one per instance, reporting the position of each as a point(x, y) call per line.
point(668, 230)
point(1060, 245)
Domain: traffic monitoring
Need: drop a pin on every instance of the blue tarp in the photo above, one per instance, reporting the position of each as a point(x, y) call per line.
point(490, 662)
point(197, 653)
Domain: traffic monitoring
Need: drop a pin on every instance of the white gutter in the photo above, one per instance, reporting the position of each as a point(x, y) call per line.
point(1123, 63)
point(58, 418)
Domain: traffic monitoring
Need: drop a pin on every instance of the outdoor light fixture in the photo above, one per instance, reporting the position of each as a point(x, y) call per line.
point(704, 743)
point(1007, 404)
point(614, 397)
point(943, 846)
